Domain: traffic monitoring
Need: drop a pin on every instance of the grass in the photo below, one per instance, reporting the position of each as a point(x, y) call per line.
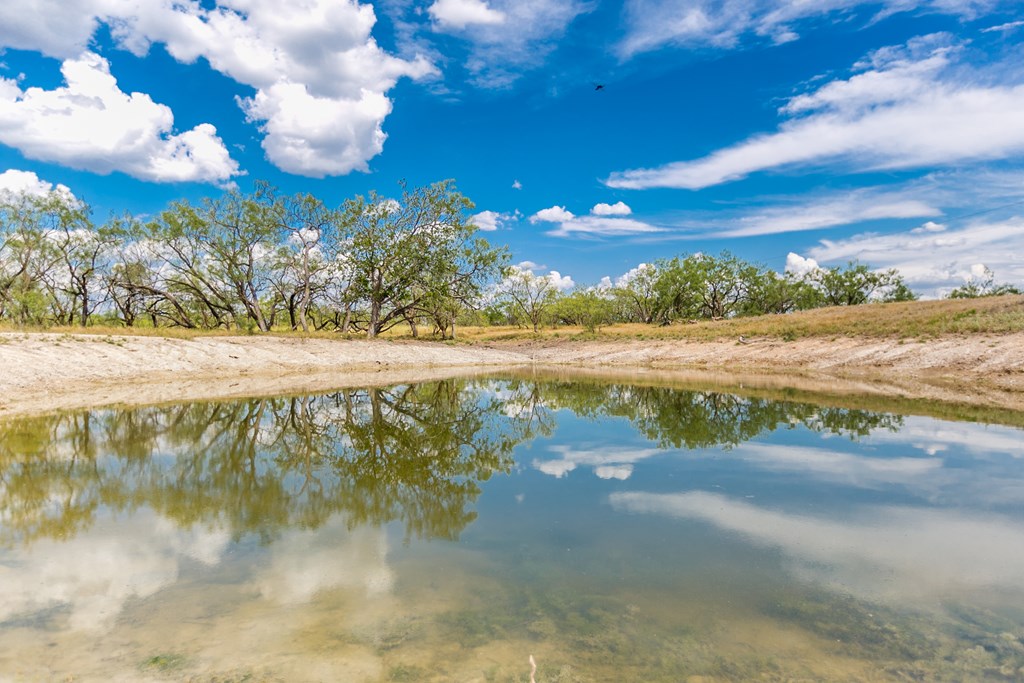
point(904, 320)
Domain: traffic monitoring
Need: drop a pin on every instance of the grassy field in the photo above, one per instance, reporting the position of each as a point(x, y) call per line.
point(904, 320)
point(912, 319)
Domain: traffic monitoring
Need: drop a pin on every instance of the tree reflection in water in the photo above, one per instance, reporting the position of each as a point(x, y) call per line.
point(414, 454)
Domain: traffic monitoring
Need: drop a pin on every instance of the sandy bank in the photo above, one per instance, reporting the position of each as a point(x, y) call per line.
point(41, 372)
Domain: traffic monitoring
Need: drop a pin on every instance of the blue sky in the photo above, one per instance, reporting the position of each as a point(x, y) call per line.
point(789, 133)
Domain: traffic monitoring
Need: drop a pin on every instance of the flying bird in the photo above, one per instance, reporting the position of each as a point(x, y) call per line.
point(599, 86)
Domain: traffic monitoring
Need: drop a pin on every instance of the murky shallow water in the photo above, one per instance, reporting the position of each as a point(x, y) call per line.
point(447, 531)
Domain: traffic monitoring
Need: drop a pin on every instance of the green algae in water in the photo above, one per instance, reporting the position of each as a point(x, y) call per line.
point(447, 531)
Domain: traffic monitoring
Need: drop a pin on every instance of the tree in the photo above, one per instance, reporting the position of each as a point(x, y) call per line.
point(588, 308)
point(637, 294)
point(27, 257)
point(857, 284)
point(528, 294)
point(415, 254)
point(984, 286)
point(218, 256)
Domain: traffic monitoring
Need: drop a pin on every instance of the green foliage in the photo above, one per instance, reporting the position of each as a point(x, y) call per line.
point(588, 308)
point(979, 287)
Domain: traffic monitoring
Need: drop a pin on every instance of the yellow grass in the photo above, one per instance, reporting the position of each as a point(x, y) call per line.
point(912, 319)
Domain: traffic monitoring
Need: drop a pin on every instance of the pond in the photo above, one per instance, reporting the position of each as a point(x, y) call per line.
point(448, 531)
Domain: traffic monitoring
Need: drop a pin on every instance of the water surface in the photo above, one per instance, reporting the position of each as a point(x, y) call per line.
point(447, 531)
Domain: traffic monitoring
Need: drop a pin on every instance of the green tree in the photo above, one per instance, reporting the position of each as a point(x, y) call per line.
point(528, 294)
point(983, 286)
point(589, 308)
point(414, 254)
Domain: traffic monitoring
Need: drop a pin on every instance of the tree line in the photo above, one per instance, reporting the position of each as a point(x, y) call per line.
point(263, 260)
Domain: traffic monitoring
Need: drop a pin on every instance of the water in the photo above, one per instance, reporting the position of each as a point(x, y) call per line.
point(447, 531)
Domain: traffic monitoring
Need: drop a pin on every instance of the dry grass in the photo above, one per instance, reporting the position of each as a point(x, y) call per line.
point(905, 320)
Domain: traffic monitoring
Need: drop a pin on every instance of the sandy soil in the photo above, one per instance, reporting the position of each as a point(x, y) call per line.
point(40, 372)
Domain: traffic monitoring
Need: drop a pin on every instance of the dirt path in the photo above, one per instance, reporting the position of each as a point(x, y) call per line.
point(41, 372)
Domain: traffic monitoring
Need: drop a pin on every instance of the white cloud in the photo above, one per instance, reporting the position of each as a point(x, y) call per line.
point(928, 226)
point(559, 281)
point(458, 14)
point(27, 182)
point(632, 274)
point(616, 209)
point(602, 227)
point(516, 185)
point(130, 560)
point(1009, 26)
point(531, 266)
point(907, 108)
point(320, 77)
point(500, 51)
point(89, 123)
point(845, 209)
point(653, 24)
point(489, 221)
point(869, 553)
point(609, 462)
point(800, 266)
point(934, 262)
point(553, 214)
point(592, 225)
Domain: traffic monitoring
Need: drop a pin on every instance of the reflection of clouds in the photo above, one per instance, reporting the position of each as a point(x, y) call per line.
point(95, 573)
point(620, 472)
point(846, 468)
point(306, 562)
point(895, 552)
point(610, 462)
point(934, 437)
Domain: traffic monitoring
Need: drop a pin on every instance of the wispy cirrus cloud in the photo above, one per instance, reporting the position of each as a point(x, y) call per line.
point(905, 107)
point(656, 24)
point(507, 37)
point(936, 260)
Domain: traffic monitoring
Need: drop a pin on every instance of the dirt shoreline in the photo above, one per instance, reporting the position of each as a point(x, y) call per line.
point(43, 372)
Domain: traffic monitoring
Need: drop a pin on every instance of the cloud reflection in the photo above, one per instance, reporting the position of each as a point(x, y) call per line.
point(890, 552)
point(94, 574)
point(611, 462)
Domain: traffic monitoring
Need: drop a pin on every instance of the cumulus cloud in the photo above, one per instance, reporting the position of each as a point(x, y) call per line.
point(907, 107)
point(553, 214)
point(593, 225)
point(516, 185)
point(89, 123)
point(654, 24)
point(527, 271)
point(936, 261)
point(459, 14)
point(800, 266)
point(616, 209)
point(320, 77)
point(489, 221)
point(13, 181)
point(560, 282)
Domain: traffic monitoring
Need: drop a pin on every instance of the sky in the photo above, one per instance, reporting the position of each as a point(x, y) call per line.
point(791, 133)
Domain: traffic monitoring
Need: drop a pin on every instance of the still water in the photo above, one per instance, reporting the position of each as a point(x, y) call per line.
point(448, 531)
